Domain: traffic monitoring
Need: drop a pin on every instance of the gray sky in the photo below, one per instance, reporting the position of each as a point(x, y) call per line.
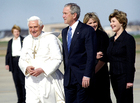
point(50, 11)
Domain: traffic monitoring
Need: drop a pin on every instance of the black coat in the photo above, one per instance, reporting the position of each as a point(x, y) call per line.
point(102, 93)
point(102, 43)
point(8, 59)
point(121, 54)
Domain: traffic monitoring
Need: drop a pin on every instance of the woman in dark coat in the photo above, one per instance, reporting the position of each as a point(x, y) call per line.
point(102, 84)
point(11, 63)
point(121, 54)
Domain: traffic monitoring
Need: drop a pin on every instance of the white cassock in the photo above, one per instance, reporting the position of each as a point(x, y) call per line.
point(48, 86)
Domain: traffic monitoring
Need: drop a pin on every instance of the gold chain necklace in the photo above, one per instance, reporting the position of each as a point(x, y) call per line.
point(35, 50)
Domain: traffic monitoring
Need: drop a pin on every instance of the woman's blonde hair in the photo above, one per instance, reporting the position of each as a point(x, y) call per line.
point(92, 15)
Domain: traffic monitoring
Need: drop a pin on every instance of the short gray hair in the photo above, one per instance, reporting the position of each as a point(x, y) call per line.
point(74, 9)
point(33, 18)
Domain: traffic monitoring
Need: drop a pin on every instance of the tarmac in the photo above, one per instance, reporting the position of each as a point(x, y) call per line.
point(8, 92)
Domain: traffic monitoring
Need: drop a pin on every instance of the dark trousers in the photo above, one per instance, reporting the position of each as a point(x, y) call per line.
point(122, 94)
point(75, 93)
point(19, 80)
point(102, 86)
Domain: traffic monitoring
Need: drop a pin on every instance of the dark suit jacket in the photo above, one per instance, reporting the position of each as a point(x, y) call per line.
point(8, 59)
point(81, 59)
point(121, 55)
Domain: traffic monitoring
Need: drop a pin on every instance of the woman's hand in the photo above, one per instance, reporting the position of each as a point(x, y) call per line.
point(7, 67)
point(99, 55)
point(129, 85)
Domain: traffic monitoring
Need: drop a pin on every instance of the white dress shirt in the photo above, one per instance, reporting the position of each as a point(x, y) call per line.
point(16, 47)
point(73, 28)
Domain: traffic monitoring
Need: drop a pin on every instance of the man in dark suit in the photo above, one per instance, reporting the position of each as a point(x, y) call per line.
point(79, 53)
point(11, 61)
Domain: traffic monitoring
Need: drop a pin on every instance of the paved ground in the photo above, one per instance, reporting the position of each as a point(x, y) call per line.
point(8, 93)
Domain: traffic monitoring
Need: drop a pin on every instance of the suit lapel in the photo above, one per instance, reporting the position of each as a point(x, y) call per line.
point(21, 40)
point(75, 36)
point(11, 46)
point(65, 40)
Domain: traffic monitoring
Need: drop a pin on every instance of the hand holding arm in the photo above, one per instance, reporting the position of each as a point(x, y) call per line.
point(99, 55)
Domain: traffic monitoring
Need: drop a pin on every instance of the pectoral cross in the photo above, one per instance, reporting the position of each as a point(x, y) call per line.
point(34, 52)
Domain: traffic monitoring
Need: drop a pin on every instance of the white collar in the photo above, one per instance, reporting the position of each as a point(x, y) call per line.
point(74, 25)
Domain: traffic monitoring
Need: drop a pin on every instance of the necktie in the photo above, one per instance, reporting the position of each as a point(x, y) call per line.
point(69, 38)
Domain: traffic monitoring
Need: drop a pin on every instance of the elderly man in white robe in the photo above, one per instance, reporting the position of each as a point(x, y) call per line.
point(39, 61)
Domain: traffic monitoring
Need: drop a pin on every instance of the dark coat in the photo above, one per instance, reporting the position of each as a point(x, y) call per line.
point(121, 55)
point(81, 59)
point(8, 59)
point(102, 43)
point(102, 93)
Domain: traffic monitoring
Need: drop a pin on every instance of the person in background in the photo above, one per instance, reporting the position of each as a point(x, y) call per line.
point(11, 62)
point(39, 61)
point(79, 53)
point(121, 54)
point(102, 82)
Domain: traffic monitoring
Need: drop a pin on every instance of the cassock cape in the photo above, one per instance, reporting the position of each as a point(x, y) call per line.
point(48, 57)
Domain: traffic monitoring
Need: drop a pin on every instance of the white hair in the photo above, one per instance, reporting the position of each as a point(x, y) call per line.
point(33, 18)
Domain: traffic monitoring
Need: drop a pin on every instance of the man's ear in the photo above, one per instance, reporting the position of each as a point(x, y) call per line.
point(42, 26)
point(75, 15)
